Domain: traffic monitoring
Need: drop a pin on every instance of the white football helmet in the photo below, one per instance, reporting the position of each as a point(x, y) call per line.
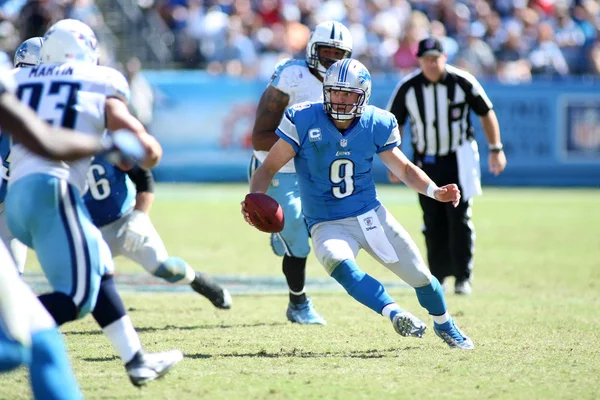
point(29, 53)
point(349, 76)
point(330, 34)
point(70, 40)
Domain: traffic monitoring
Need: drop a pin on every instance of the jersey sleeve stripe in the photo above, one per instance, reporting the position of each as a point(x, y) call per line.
point(287, 128)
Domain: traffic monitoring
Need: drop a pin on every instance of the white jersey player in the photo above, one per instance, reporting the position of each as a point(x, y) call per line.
point(44, 206)
point(28, 334)
point(295, 81)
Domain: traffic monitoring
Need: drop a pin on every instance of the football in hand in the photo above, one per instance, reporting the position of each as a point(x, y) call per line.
point(265, 212)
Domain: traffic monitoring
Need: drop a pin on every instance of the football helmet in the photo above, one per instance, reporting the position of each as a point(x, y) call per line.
point(70, 40)
point(330, 34)
point(29, 53)
point(349, 76)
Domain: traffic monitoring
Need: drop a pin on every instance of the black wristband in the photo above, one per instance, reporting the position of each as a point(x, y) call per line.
point(497, 148)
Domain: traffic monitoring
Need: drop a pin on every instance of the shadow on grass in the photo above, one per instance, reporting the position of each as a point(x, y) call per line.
point(183, 328)
point(102, 359)
point(295, 353)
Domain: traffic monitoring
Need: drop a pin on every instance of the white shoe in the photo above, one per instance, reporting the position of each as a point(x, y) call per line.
point(407, 324)
point(146, 367)
point(463, 287)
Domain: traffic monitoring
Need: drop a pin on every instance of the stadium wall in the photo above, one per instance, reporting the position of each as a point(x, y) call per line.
point(550, 129)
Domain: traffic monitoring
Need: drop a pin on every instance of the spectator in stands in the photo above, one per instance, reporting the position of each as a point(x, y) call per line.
point(512, 63)
point(415, 30)
point(476, 55)
point(35, 18)
point(546, 57)
point(570, 38)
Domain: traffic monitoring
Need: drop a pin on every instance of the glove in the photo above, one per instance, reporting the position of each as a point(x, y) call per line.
point(124, 147)
point(135, 231)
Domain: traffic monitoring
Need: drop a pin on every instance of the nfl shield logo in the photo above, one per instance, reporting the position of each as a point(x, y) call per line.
point(343, 143)
point(369, 221)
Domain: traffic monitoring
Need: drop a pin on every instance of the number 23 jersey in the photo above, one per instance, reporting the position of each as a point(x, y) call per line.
point(71, 95)
point(334, 169)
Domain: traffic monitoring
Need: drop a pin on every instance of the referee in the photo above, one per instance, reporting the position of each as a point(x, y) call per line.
point(437, 99)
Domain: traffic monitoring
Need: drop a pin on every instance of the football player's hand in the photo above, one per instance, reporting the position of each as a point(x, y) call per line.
point(123, 147)
point(245, 213)
point(135, 231)
point(448, 194)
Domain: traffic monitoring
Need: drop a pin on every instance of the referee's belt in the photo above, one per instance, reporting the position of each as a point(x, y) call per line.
point(432, 159)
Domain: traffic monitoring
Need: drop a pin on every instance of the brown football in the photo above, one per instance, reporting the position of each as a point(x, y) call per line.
point(265, 212)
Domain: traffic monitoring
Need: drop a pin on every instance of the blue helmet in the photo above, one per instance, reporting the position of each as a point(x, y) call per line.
point(29, 53)
point(347, 75)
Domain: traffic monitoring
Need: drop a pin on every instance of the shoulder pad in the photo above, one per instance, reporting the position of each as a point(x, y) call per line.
point(115, 83)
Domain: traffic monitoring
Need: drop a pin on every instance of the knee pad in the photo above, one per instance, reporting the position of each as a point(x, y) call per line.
point(172, 269)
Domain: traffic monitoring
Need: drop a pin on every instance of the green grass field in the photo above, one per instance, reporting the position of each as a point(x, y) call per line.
point(534, 315)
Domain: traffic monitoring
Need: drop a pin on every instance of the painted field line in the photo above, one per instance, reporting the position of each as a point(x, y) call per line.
point(142, 282)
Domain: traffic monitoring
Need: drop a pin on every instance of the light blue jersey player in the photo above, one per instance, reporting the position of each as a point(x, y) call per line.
point(295, 81)
point(27, 55)
point(119, 203)
point(28, 334)
point(333, 144)
point(44, 208)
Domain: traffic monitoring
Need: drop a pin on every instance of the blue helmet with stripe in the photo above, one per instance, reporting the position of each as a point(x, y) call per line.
point(329, 34)
point(347, 75)
point(29, 53)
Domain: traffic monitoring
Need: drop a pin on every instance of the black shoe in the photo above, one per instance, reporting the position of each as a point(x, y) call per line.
point(145, 367)
point(210, 289)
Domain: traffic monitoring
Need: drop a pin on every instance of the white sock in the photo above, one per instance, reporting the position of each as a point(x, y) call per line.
point(190, 275)
point(440, 319)
point(387, 310)
point(300, 293)
point(124, 338)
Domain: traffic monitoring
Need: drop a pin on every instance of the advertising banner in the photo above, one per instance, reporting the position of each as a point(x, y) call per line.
point(550, 130)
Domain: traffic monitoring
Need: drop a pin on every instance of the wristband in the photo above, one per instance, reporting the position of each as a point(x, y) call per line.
point(431, 188)
point(495, 148)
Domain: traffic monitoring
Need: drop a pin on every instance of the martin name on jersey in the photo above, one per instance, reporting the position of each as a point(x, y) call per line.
point(293, 78)
point(71, 95)
point(334, 169)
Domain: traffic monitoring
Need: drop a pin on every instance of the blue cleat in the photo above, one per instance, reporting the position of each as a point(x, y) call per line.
point(407, 324)
point(304, 313)
point(453, 336)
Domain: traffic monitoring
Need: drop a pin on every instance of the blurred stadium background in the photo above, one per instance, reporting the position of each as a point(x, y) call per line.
point(197, 69)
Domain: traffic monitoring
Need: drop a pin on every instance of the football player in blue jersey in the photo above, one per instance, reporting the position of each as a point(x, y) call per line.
point(333, 143)
point(27, 55)
point(295, 81)
point(119, 203)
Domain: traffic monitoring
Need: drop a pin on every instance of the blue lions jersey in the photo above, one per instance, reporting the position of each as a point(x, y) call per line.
point(4, 152)
point(111, 193)
point(334, 168)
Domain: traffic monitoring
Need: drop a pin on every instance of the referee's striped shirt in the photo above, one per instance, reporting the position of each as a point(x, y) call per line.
point(439, 112)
